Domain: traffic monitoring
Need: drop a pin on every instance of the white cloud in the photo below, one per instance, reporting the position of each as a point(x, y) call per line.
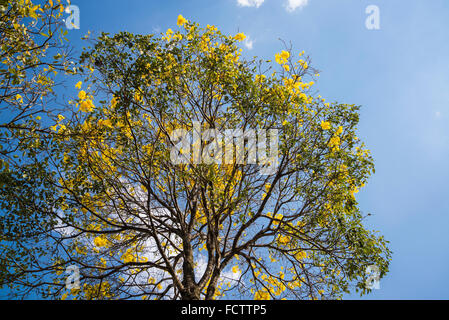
point(250, 3)
point(292, 5)
point(249, 43)
point(230, 277)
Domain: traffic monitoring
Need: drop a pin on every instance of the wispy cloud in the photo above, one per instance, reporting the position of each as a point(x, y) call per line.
point(292, 5)
point(249, 43)
point(250, 3)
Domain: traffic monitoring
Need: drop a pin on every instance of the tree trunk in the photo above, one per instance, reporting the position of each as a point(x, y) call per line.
point(191, 290)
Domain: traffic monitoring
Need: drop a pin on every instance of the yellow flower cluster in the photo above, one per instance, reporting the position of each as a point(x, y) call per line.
point(86, 104)
point(260, 78)
point(240, 36)
point(128, 256)
point(82, 95)
point(181, 20)
point(114, 102)
point(284, 240)
point(300, 255)
point(282, 58)
point(97, 291)
point(100, 241)
point(105, 123)
point(262, 295)
point(325, 125)
point(334, 143)
point(19, 98)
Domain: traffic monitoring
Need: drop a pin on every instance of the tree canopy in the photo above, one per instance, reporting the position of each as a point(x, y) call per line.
point(33, 52)
point(108, 198)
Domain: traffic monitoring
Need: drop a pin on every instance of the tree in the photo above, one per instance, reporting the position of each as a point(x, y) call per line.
point(141, 215)
point(33, 52)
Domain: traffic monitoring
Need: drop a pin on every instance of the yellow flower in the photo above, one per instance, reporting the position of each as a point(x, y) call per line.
point(114, 102)
point(282, 57)
point(300, 255)
point(177, 37)
point(283, 239)
point(262, 295)
point(82, 95)
point(325, 125)
point(339, 130)
point(334, 143)
point(181, 20)
point(260, 78)
point(235, 269)
point(354, 190)
point(19, 98)
point(286, 67)
point(100, 241)
point(78, 85)
point(87, 106)
point(128, 256)
point(267, 187)
point(86, 127)
point(138, 96)
point(285, 55)
point(240, 36)
point(74, 291)
point(106, 123)
point(278, 58)
point(277, 219)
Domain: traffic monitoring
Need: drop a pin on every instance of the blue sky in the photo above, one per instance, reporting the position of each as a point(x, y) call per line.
point(399, 74)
